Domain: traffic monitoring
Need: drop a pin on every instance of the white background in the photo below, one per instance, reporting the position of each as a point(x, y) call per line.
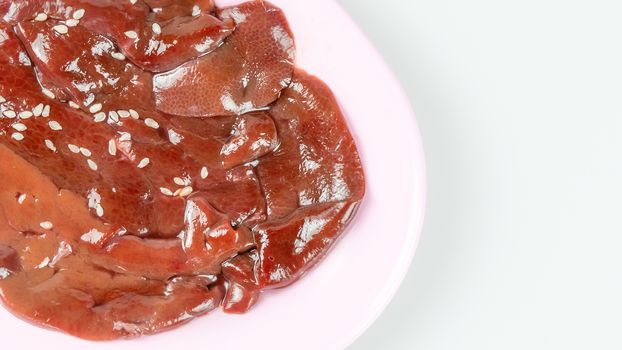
point(520, 108)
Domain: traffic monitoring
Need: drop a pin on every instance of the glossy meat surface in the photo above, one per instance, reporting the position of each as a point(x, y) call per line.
point(160, 159)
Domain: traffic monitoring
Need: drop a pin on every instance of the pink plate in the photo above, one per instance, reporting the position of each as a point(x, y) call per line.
point(334, 303)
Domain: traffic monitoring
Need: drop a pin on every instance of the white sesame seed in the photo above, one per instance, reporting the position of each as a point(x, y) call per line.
point(78, 14)
point(22, 198)
point(131, 34)
point(186, 191)
point(179, 181)
point(46, 111)
point(124, 113)
point(38, 110)
point(204, 173)
point(25, 114)
point(112, 148)
point(134, 114)
point(46, 225)
point(133, 2)
point(54, 125)
point(73, 148)
point(89, 99)
point(125, 136)
point(9, 114)
point(156, 28)
point(19, 127)
point(143, 163)
point(17, 136)
point(48, 93)
point(166, 191)
point(99, 211)
point(49, 144)
point(95, 108)
point(118, 56)
point(74, 105)
point(196, 10)
point(2, 99)
point(72, 22)
point(41, 17)
point(85, 152)
point(114, 116)
point(100, 117)
point(176, 193)
point(151, 123)
point(61, 29)
point(92, 164)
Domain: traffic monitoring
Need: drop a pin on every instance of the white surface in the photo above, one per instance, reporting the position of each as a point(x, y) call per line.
point(520, 106)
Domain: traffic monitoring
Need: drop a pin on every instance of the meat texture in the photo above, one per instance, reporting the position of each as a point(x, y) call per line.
point(160, 159)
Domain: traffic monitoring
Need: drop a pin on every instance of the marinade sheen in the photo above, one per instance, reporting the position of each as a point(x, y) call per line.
point(160, 159)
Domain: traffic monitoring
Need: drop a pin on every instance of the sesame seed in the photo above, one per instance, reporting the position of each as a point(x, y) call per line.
point(131, 34)
point(196, 10)
point(99, 211)
point(124, 114)
point(54, 125)
point(25, 114)
point(186, 191)
point(179, 181)
point(114, 116)
point(72, 22)
point(85, 152)
point(9, 114)
point(100, 117)
point(204, 173)
point(73, 148)
point(17, 136)
point(41, 17)
point(112, 148)
point(151, 123)
point(38, 110)
point(143, 163)
point(89, 99)
point(95, 108)
point(48, 93)
point(134, 114)
point(92, 164)
point(46, 111)
point(177, 192)
point(22, 198)
point(166, 191)
point(79, 14)
point(125, 136)
point(118, 56)
point(61, 29)
point(49, 144)
point(133, 2)
point(2, 99)
point(46, 225)
point(156, 28)
point(19, 127)
point(74, 105)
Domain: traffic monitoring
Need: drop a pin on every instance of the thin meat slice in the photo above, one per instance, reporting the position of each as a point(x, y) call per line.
point(313, 182)
point(243, 290)
point(206, 240)
point(156, 39)
point(317, 161)
point(93, 78)
point(64, 305)
point(246, 73)
point(225, 142)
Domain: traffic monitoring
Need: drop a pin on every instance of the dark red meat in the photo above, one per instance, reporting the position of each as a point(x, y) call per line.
point(159, 159)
